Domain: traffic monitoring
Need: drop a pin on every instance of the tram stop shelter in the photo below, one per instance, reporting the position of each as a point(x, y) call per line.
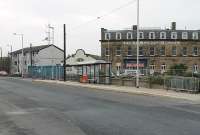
point(97, 71)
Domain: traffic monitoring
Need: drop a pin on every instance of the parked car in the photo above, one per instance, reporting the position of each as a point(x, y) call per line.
point(3, 73)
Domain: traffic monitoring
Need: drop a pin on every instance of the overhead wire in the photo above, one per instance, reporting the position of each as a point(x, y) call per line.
point(106, 14)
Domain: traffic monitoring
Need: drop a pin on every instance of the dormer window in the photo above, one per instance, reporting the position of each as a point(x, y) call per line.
point(163, 35)
point(184, 35)
point(107, 36)
point(195, 35)
point(118, 36)
point(141, 35)
point(129, 35)
point(174, 35)
point(152, 35)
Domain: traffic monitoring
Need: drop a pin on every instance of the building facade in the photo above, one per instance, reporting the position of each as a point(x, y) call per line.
point(80, 57)
point(44, 55)
point(159, 49)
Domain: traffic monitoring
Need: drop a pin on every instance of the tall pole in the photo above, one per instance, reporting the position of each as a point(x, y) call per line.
point(1, 59)
point(31, 59)
point(138, 42)
point(64, 63)
point(22, 63)
point(1, 52)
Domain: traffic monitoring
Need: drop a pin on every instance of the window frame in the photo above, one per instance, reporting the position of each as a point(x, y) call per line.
point(151, 51)
point(107, 34)
point(128, 34)
point(162, 51)
point(165, 35)
point(141, 35)
point(107, 51)
point(141, 49)
point(173, 51)
point(184, 49)
point(130, 49)
point(185, 35)
point(174, 34)
point(152, 34)
point(195, 35)
point(193, 51)
point(118, 49)
point(120, 36)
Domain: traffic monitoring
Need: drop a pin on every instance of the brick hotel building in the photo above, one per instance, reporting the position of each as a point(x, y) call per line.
point(159, 48)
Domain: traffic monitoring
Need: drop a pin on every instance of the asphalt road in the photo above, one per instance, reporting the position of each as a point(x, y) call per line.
point(28, 108)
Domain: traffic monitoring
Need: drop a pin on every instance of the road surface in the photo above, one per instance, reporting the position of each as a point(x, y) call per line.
point(28, 108)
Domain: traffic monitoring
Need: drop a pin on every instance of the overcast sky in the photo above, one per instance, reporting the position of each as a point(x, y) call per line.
point(31, 17)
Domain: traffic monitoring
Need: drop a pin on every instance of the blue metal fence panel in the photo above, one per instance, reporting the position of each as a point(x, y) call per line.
point(46, 72)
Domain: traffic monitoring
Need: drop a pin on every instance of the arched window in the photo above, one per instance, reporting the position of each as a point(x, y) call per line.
point(195, 35)
point(163, 35)
point(118, 36)
point(152, 35)
point(129, 35)
point(107, 36)
point(184, 35)
point(174, 35)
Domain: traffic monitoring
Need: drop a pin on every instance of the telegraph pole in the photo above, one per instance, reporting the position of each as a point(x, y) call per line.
point(64, 63)
point(31, 59)
point(138, 43)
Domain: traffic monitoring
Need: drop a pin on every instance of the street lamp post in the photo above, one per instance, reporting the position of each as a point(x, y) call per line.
point(22, 58)
point(10, 51)
point(138, 42)
point(10, 57)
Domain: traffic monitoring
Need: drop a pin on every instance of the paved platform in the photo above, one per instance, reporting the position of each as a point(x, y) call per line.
point(131, 90)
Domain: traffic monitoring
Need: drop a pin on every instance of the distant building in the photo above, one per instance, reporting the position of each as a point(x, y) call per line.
point(159, 48)
point(44, 55)
point(80, 57)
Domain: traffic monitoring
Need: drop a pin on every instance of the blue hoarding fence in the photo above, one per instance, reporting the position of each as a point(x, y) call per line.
point(46, 72)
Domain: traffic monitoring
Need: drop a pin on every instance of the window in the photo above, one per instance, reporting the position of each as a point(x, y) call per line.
point(195, 68)
point(162, 51)
point(129, 35)
point(15, 62)
point(151, 35)
point(118, 36)
point(173, 35)
point(141, 53)
point(163, 68)
point(152, 51)
point(163, 35)
point(107, 52)
point(173, 51)
point(184, 51)
point(118, 51)
point(152, 69)
point(195, 35)
point(25, 62)
point(107, 36)
point(80, 60)
point(184, 35)
point(141, 35)
point(195, 51)
point(129, 51)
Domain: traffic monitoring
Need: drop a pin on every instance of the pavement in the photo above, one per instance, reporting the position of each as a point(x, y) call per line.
point(40, 108)
point(131, 90)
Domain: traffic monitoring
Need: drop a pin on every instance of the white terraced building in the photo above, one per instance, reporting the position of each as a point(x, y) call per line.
point(44, 55)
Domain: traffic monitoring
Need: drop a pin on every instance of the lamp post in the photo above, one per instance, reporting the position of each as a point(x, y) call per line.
point(138, 42)
point(1, 52)
point(10, 57)
point(22, 58)
point(10, 51)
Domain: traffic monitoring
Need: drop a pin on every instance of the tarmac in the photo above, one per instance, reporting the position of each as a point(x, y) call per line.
point(131, 90)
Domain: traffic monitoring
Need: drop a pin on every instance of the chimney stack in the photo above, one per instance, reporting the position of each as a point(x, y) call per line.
point(173, 26)
point(134, 27)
